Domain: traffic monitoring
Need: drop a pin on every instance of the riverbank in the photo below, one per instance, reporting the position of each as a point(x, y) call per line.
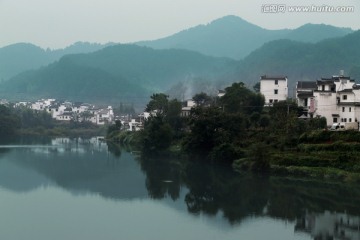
point(318, 154)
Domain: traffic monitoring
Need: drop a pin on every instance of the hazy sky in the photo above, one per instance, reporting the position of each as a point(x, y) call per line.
point(58, 23)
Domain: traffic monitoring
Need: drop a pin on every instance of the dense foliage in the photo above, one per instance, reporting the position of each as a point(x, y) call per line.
point(164, 124)
point(235, 126)
point(9, 122)
point(25, 121)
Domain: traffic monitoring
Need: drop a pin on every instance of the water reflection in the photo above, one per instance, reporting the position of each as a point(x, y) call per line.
point(163, 177)
point(79, 165)
point(329, 225)
point(90, 166)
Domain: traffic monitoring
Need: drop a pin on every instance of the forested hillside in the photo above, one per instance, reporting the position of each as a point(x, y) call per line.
point(115, 73)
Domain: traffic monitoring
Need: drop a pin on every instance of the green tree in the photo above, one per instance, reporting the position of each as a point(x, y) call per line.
point(9, 122)
point(161, 129)
point(32, 118)
point(264, 121)
point(258, 153)
point(215, 134)
point(285, 124)
point(157, 135)
point(256, 87)
point(202, 99)
point(86, 115)
point(173, 116)
point(158, 103)
point(238, 98)
point(113, 129)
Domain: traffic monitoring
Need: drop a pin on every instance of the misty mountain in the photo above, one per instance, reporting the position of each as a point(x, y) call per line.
point(313, 33)
point(115, 73)
point(20, 57)
point(236, 38)
point(303, 61)
point(132, 73)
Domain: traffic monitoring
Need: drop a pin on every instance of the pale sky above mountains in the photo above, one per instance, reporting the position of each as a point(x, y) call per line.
point(59, 23)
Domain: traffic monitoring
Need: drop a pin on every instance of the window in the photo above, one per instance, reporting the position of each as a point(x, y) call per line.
point(334, 120)
point(276, 100)
point(270, 101)
point(344, 119)
point(276, 82)
point(323, 87)
point(343, 109)
point(344, 97)
point(349, 109)
point(350, 119)
point(276, 91)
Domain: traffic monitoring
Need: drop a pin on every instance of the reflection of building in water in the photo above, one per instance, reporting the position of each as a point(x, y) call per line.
point(327, 225)
point(79, 145)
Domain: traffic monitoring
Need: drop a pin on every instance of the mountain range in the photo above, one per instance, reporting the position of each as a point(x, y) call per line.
point(20, 57)
point(129, 72)
point(229, 36)
point(233, 37)
point(119, 72)
point(303, 61)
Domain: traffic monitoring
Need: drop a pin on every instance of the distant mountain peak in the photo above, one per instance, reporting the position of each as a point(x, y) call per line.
point(234, 37)
point(231, 19)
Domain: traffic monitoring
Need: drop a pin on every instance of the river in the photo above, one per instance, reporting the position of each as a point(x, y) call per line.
point(85, 189)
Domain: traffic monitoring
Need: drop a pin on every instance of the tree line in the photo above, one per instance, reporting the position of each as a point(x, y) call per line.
point(223, 129)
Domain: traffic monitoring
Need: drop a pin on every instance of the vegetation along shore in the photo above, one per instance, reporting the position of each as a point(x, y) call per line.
point(236, 129)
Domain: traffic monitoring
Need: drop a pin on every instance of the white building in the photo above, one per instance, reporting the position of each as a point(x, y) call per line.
point(104, 116)
point(336, 98)
point(187, 106)
point(274, 89)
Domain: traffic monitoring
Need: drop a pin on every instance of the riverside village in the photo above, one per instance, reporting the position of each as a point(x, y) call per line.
point(337, 98)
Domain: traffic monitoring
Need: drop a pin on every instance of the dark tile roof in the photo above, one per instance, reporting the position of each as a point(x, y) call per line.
point(356, 86)
point(349, 103)
point(266, 77)
point(337, 78)
point(305, 94)
point(325, 81)
point(306, 85)
point(345, 90)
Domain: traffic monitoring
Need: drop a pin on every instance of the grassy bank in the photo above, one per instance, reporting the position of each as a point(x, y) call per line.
point(318, 154)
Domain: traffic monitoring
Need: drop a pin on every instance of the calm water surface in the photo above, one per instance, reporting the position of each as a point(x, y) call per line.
point(85, 189)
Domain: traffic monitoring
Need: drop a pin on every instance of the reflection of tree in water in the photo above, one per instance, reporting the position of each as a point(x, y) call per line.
point(212, 189)
point(215, 188)
point(115, 149)
point(163, 177)
point(290, 199)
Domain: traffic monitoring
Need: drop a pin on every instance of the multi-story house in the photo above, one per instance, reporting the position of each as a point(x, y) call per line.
point(331, 97)
point(274, 89)
point(336, 98)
